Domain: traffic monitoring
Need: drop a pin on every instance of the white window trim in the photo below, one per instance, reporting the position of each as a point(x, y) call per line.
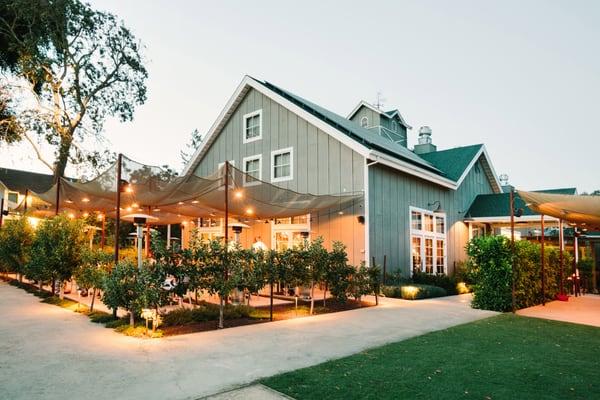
point(290, 229)
point(252, 158)
point(282, 151)
point(365, 125)
point(423, 234)
point(245, 125)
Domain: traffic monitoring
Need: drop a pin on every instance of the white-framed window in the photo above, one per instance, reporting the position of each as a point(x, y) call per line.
point(428, 236)
point(394, 126)
point(253, 170)
point(282, 165)
point(252, 126)
point(210, 229)
point(364, 122)
point(287, 233)
point(13, 197)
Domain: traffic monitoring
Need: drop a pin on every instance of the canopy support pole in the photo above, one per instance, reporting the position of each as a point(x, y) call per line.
point(512, 247)
point(1, 211)
point(561, 247)
point(103, 237)
point(118, 210)
point(543, 264)
point(25, 204)
point(57, 209)
point(169, 236)
point(575, 259)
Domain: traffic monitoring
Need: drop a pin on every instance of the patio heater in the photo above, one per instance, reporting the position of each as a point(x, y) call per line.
point(237, 227)
point(139, 220)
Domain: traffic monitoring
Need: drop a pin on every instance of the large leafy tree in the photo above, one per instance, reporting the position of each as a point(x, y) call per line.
point(70, 67)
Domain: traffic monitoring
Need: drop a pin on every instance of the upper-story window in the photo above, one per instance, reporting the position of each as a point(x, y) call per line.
point(364, 122)
point(253, 170)
point(394, 126)
point(282, 165)
point(252, 126)
point(13, 197)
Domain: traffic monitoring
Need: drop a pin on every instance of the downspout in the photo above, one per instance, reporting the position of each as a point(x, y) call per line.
point(367, 218)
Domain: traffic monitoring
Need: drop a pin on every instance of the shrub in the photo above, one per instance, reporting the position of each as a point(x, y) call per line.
point(16, 237)
point(449, 283)
point(414, 291)
point(57, 249)
point(490, 266)
point(116, 323)
point(139, 331)
point(204, 312)
point(100, 317)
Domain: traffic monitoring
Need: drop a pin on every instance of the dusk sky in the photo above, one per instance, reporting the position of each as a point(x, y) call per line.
point(522, 77)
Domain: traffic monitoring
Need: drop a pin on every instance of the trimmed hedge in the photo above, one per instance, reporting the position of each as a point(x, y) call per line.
point(490, 269)
point(414, 291)
point(204, 312)
point(451, 284)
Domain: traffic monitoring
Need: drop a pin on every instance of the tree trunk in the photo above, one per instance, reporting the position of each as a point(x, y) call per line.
point(93, 298)
point(20, 277)
point(62, 290)
point(196, 305)
point(312, 297)
point(63, 157)
point(41, 284)
point(221, 307)
point(53, 286)
point(114, 312)
point(325, 295)
point(131, 319)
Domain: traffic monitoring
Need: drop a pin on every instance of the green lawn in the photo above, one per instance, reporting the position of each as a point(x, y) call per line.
point(503, 357)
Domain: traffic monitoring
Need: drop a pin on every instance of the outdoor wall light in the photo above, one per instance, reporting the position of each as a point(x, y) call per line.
point(439, 208)
point(361, 219)
point(304, 234)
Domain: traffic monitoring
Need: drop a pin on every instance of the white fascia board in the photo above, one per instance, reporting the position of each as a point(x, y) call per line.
point(411, 169)
point(506, 219)
point(378, 111)
point(213, 131)
point(339, 136)
point(493, 178)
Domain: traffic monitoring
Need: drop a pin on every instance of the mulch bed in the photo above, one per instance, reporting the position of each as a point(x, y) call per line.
point(280, 312)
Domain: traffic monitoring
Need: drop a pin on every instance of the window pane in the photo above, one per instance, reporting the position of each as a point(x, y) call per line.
point(416, 253)
point(428, 223)
point(298, 239)
point(283, 221)
point(439, 256)
point(253, 169)
point(429, 256)
point(282, 241)
point(13, 197)
point(253, 126)
point(301, 219)
point(416, 220)
point(439, 225)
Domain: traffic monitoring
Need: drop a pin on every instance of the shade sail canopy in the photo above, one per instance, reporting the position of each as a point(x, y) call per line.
point(580, 210)
point(174, 199)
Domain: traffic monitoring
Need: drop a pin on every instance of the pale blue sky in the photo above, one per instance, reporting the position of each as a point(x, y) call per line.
point(523, 77)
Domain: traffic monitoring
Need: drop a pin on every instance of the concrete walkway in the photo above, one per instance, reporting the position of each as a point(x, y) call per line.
point(579, 310)
point(52, 353)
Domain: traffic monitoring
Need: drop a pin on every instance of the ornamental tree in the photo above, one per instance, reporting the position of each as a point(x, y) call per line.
point(16, 236)
point(58, 249)
point(70, 67)
point(90, 274)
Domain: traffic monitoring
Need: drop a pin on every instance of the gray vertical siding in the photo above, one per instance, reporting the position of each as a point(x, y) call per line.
point(392, 193)
point(322, 165)
point(374, 118)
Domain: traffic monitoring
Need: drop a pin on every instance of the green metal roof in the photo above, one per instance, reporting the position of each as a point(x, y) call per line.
point(355, 131)
point(498, 205)
point(453, 161)
point(449, 164)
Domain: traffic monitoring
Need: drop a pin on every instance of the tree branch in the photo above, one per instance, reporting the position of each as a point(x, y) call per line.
point(38, 151)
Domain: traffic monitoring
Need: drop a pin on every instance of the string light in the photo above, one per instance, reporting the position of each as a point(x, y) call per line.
point(128, 189)
point(85, 200)
point(239, 194)
point(249, 211)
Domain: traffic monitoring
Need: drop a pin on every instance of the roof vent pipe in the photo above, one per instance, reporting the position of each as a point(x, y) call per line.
point(425, 144)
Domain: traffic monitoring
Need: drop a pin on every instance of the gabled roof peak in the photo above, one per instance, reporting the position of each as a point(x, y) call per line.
point(387, 114)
